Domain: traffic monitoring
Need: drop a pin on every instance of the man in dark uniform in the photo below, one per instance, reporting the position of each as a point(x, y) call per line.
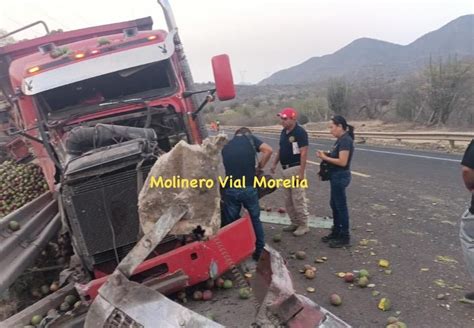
point(292, 155)
point(466, 233)
point(239, 157)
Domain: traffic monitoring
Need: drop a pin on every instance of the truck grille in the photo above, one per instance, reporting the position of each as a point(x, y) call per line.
point(101, 207)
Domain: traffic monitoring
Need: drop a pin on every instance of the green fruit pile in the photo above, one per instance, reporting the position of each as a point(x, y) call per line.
point(19, 184)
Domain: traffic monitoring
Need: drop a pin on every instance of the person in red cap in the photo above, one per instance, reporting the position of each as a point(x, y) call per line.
point(292, 155)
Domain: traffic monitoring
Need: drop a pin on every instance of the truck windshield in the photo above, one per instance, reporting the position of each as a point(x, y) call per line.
point(144, 81)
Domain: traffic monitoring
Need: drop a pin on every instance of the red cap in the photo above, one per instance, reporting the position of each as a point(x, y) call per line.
point(287, 113)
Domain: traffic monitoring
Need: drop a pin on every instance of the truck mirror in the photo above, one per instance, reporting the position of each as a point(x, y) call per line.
point(223, 77)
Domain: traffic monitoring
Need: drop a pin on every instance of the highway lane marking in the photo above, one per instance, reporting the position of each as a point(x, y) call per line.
point(390, 152)
point(353, 172)
point(411, 155)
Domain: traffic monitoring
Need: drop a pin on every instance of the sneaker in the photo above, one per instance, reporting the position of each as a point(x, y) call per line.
point(290, 228)
point(331, 236)
point(468, 298)
point(340, 242)
point(249, 265)
point(300, 231)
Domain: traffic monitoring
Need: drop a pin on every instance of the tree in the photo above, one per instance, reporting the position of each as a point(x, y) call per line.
point(373, 95)
point(302, 119)
point(445, 83)
point(410, 102)
point(7, 40)
point(338, 96)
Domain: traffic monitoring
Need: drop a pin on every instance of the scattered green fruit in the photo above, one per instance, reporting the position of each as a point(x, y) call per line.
point(364, 242)
point(70, 299)
point(385, 304)
point(52, 313)
point(335, 300)
point(21, 183)
point(181, 295)
point(13, 225)
point(363, 282)
point(349, 277)
point(220, 282)
point(384, 263)
point(211, 316)
point(44, 289)
point(391, 320)
point(36, 320)
point(197, 295)
point(65, 306)
point(309, 267)
point(206, 295)
point(300, 255)
point(228, 284)
point(244, 293)
point(54, 286)
point(36, 293)
point(310, 274)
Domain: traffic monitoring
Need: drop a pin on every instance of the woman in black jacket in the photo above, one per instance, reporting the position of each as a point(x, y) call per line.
point(340, 176)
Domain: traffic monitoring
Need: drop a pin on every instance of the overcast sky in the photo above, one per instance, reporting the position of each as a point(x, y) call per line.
point(261, 36)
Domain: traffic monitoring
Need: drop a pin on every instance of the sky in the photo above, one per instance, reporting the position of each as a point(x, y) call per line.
point(260, 36)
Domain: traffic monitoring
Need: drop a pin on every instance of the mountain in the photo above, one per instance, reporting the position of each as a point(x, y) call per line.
point(365, 56)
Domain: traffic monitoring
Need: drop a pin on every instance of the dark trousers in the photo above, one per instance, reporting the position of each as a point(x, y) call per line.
point(471, 209)
point(234, 199)
point(339, 182)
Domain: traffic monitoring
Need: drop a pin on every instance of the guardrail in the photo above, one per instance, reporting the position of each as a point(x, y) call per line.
point(39, 221)
point(451, 137)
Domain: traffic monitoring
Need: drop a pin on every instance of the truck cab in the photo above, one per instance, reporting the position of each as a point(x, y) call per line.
point(97, 107)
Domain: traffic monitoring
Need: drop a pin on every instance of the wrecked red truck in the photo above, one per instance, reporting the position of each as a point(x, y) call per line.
point(97, 106)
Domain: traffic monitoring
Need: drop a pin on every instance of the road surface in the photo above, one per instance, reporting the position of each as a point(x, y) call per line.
point(408, 203)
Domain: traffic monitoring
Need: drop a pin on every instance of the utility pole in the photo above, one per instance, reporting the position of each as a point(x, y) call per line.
point(242, 76)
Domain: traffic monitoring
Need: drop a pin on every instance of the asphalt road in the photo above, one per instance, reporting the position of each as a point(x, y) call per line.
point(408, 203)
